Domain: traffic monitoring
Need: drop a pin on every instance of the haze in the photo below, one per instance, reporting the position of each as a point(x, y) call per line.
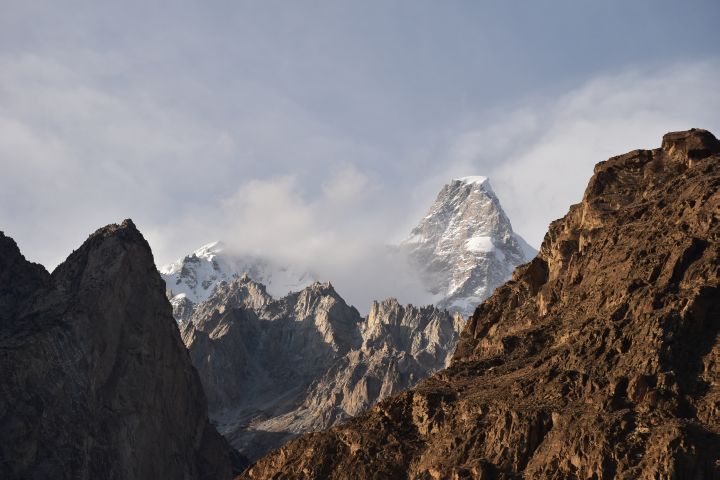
point(319, 131)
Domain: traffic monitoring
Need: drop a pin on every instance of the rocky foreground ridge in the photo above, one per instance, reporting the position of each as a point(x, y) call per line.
point(599, 359)
point(275, 368)
point(94, 379)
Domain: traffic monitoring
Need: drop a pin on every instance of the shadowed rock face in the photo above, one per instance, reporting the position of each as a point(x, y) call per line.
point(273, 369)
point(94, 379)
point(599, 359)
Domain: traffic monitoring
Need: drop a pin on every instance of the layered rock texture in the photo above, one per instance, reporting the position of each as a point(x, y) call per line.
point(191, 279)
point(465, 247)
point(94, 379)
point(275, 368)
point(599, 359)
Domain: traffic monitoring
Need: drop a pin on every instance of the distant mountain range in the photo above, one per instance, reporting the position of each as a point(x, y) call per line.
point(599, 359)
point(276, 364)
point(461, 250)
point(274, 368)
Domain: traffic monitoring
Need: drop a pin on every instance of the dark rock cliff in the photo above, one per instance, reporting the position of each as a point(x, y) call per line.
point(599, 359)
point(94, 379)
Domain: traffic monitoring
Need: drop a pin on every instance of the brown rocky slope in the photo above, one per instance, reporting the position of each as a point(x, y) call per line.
point(94, 379)
point(599, 359)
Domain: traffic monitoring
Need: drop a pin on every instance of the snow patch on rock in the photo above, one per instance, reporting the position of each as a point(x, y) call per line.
point(479, 243)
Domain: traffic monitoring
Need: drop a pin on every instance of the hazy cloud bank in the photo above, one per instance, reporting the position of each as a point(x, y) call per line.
point(539, 159)
point(77, 156)
point(317, 134)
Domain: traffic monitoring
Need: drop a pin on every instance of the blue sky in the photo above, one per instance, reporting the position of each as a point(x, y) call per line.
point(316, 130)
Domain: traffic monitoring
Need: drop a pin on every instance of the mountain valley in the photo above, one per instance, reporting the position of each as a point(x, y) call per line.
point(275, 368)
point(598, 359)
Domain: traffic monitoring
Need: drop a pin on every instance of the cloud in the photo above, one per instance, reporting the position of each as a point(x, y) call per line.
point(270, 217)
point(93, 141)
point(83, 143)
point(540, 157)
point(339, 232)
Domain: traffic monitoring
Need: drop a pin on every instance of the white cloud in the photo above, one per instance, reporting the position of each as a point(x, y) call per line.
point(84, 143)
point(540, 158)
point(339, 232)
point(271, 218)
point(89, 144)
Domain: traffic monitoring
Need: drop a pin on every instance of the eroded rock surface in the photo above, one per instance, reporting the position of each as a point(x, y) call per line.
point(94, 379)
point(599, 359)
point(273, 369)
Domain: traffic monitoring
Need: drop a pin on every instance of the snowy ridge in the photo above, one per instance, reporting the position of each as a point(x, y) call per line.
point(191, 280)
point(461, 250)
point(465, 246)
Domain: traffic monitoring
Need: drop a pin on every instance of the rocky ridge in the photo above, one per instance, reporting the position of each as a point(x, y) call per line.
point(275, 368)
point(598, 359)
point(94, 379)
point(465, 246)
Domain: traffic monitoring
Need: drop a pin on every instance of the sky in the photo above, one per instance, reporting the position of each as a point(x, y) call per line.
point(316, 131)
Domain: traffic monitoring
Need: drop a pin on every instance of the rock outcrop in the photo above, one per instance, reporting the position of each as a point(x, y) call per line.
point(599, 359)
point(94, 379)
point(257, 356)
point(399, 347)
point(273, 369)
point(465, 247)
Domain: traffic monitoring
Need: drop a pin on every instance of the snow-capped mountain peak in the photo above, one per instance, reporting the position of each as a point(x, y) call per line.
point(465, 246)
point(205, 253)
point(477, 179)
point(190, 280)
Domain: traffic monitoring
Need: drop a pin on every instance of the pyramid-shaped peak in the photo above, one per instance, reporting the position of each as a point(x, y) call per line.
point(464, 246)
